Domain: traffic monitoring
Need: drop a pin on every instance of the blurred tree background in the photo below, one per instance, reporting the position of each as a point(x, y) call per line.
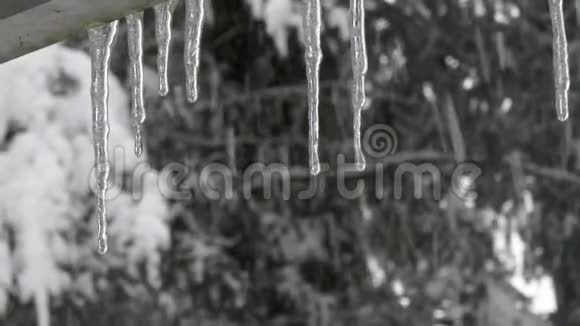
point(459, 81)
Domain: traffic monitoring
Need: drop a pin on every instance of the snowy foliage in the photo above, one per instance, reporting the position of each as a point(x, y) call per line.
point(47, 227)
point(281, 16)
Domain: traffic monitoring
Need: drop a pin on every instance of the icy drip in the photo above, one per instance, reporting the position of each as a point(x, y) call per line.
point(193, 26)
point(560, 48)
point(359, 70)
point(163, 18)
point(135, 42)
point(313, 57)
point(101, 40)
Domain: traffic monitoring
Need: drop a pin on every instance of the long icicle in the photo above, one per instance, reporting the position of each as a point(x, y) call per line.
point(313, 57)
point(359, 70)
point(163, 17)
point(101, 41)
point(194, 12)
point(135, 42)
point(560, 48)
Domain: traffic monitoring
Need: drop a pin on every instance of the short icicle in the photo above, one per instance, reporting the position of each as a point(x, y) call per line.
point(135, 42)
point(560, 48)
point(101, 41)
point(193, 26)
point(163, 18)
point(313, 57)
point(359, 70)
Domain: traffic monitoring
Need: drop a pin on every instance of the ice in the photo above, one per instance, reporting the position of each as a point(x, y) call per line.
point(560, 48)
point(359, 70)
point(313, 57)
point(194, 12)
point(163, 18)
point(135, 41)
point(101, 41)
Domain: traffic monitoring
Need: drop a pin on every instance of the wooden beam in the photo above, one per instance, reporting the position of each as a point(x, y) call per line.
point(28, 25)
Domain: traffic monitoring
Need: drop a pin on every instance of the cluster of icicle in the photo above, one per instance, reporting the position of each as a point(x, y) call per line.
point(102, 38)
point(101, 42)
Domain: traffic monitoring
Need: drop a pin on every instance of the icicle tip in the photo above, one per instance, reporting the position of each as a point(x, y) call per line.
point(563, 116)
point(139, 141)
point(163, 90)
point(192, 94)
point(315, 169)
point(102, 246)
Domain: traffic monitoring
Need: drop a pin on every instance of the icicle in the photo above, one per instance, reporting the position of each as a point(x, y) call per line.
point(135, 41)
point(101, 41)
point(359, 70)
point(313, 57)
point(560, 48)
point(193, 26)
point(578, 12)
point(163, 18)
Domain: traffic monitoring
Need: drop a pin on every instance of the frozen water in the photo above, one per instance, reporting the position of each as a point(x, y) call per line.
point(101, 41)
point(163, 18)
point(561, 71)
point(194, 12)
point(313, 57)
point(135, 41)
point(359, 70)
